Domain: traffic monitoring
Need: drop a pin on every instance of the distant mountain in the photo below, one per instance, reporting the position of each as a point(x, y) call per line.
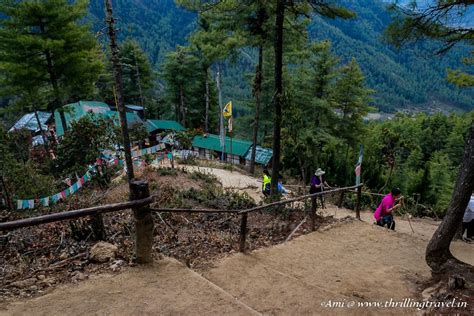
point(410, 78)
point(159, 25)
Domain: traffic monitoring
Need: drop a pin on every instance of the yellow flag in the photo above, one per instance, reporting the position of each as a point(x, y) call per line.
point(227, 111)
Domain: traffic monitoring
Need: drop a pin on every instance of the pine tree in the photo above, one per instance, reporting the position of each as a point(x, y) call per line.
point(183, 82)
point(303, 8)
point(212, 44)
point(138, 76)
point(350, 97)
point(46, 48)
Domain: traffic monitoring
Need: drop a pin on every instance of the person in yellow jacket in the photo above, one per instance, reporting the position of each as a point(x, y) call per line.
point(267, 180)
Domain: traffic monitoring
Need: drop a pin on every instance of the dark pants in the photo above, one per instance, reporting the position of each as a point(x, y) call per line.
point(314, 189)
point(387, 220)
point(469, 228)
point(266, 190)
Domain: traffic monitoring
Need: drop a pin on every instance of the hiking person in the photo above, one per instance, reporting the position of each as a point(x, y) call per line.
point(318, 184)
point(383, 214)
point(468, 220)
point(267, 179)
point(281, 188)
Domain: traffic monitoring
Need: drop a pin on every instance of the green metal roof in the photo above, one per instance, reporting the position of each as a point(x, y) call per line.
point(153, 125)
point(212, 142)
point(75, 111)
point(262, 155)
point(132, 118)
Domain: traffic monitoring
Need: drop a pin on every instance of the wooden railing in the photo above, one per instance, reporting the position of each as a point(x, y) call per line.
point(140, 201)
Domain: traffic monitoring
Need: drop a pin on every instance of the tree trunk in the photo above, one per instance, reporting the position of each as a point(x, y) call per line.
point(98, 227)
point(117, 66)
point(280, 16)
point(54, 82)
point(7, 194)
point(181, 105)
point(206, 119)
point(437, 252)
point(257, 92)
point(58, 103)
point(43, 135)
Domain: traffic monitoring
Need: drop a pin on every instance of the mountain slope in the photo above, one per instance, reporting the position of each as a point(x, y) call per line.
point(413, 76)
point(410, 78)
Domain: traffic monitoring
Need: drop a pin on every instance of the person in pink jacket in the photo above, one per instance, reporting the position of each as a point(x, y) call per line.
point(383, 214)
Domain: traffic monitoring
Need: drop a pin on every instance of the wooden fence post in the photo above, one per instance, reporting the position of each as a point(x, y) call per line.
point(143, 222)
point(341, 199)
point(243, 232)
point(314, 207)
point(359, 193)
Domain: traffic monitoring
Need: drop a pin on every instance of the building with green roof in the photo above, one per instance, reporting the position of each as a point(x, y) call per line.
point(163, 125)
point(209, 146)
point(75, 111)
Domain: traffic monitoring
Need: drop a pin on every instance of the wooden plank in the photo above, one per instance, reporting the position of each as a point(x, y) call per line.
point(32, 221)
point(191, 210)
point(359, 191)
point(303, 197)
point(143, 222)
point(243, 232)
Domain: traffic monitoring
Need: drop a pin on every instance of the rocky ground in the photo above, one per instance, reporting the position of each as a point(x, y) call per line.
point(37, 259)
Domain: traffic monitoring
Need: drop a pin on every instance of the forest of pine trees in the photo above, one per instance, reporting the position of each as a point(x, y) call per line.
point(298, 93)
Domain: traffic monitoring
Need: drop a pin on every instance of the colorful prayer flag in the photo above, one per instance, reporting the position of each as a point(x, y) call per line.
point(19, 204)
point(31, 203)
point(230, 125)
point(45, 201)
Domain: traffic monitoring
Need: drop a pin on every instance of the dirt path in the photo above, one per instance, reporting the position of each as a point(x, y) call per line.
point(423, 228)
point(348, 263)
point(166, 288)
point(232, 180)
point(352, 263)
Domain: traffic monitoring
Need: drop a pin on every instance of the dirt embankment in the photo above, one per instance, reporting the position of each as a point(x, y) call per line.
point(334, 272)
point(350, 261)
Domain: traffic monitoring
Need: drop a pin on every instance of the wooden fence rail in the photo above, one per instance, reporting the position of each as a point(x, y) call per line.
point(140, 204)
point(50, 218)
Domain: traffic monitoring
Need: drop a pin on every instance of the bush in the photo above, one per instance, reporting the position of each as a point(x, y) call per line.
point(167, 172)
point(203, 176)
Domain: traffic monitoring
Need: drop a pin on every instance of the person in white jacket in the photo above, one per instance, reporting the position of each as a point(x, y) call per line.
point(468, 220)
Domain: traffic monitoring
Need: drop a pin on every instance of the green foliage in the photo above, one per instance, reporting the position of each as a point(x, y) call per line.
point(19, 142)
point(423, 151)
point(445, 21)
point(139, 79)
point(441, 181)
point(22, 179)
point(214, 197)
point(184, 85)
point(204, 176)
point(47, 53)
point(167, 172)
point(82, 144)
point(351, 98)
point(137, 132)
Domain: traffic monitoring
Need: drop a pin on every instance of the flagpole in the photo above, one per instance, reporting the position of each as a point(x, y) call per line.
point(231, 156)
point(221, 116)
point(224, 158)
